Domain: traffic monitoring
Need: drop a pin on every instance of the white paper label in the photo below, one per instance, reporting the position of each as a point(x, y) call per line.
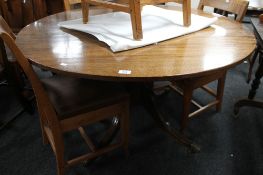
point(124, 72)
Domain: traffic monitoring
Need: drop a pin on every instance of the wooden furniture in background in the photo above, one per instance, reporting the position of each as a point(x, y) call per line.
point(54, 6)
point(258, 30)
point(133, 7)
point(69, 3)
point(19, 13)
point(203, 53)
point(7, 28)
point(67, 104)
point(187, 86)
point(237, 7)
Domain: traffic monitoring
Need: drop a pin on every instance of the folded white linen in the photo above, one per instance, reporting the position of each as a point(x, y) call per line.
point(158, 24)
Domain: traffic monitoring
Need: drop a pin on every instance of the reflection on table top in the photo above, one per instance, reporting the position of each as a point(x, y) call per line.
point(220, 46)
point(256, 4)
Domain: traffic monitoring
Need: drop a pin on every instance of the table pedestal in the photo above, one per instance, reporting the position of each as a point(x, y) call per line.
point(149, 102)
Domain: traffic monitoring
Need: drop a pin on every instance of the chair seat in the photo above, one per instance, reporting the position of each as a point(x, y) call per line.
point(67, 104)
point(72, 96)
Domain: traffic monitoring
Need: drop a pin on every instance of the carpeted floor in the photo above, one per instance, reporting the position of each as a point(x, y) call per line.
point(228, 146)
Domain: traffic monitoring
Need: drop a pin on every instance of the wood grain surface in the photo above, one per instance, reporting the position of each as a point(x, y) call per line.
point(219, 47)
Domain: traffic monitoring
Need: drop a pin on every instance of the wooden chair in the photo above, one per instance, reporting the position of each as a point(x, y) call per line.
point(133, 7)
point(7, 28)
point(237, 7)
point(69, 3)
point(188, 85)
point(67, 104)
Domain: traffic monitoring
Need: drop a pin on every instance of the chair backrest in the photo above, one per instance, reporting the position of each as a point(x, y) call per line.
point(237, 7)
point(3, 54)
point(69, 3)
point(46, 110)
point(6, 27)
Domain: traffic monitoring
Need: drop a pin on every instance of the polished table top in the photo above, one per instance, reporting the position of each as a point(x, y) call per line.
point(219, 47)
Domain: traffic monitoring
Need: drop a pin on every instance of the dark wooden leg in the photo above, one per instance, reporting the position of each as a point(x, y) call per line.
point(125, 128)
point(151, 106)
point(187, 12)
point(85, 11)
point(256, 81)
point(110, 133)
point(56, 139)
point(220, 92)
point(252, 92)
point(60, 168)
point(188, 92)
point(136, 21)
point(44, 135)
point(114, 128)
point(251, 64)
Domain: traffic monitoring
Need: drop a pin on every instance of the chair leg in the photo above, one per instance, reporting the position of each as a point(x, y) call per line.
point(44, 135)
point(256, 81)
point(44, 138)
point(187, 12)
point(136, 19)
point(220, 92)
point(251, 64)
point(59, 152)
point(60, 170)
point(85, 11)
point(188, 92)
point(125, 127)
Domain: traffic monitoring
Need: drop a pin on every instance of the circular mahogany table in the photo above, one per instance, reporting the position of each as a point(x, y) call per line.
point(206, 52)
point(215, 48)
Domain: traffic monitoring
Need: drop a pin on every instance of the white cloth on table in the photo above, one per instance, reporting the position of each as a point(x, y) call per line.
point(158, 24)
